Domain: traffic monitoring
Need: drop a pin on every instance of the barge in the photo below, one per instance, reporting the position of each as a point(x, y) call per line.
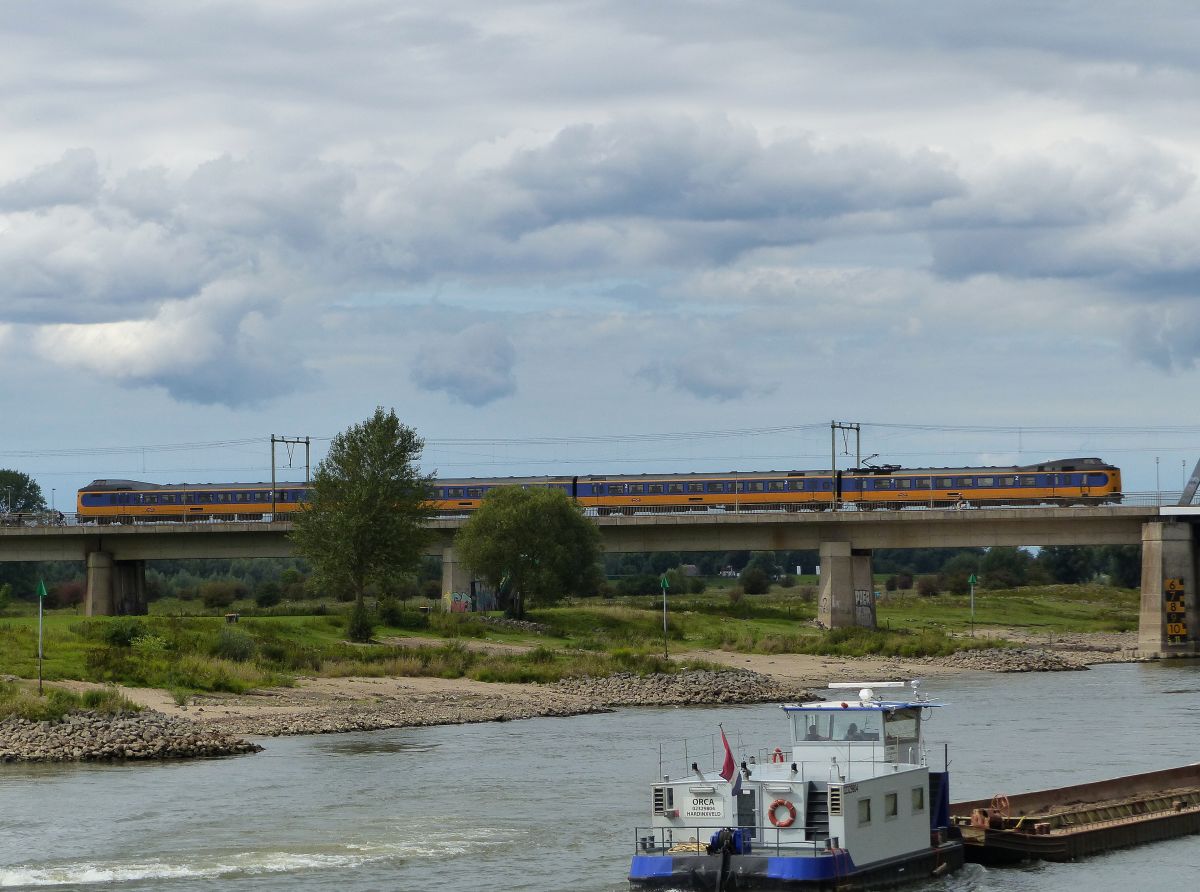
point(1067, 823)
point(847, 801)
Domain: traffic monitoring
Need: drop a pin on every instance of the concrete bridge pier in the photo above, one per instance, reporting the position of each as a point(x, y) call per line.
point(847, 587)
point(456, 582)
point(115, 588)
point(1169, 616)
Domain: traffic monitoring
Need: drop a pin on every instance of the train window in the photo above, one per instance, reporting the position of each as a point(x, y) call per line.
point(475, 492)
point(885, 484)
point(654, 488)
point(695, 487)
point(636, 489)
point(775, 485)
point(1027, 480)
point(905, 483)
point(757, 486)
point(718, 487)
point(965, 481)
point(1008, 481)
point(1097, 479)
point(674, 487)
point(615, 489)
point(826, 485)
point(985, 481)
point(946, 482)
point(455, 492)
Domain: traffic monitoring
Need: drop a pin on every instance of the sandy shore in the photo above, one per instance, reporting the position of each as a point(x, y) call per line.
point(323, 705)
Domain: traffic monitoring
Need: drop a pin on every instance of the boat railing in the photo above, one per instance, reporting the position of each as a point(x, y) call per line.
point(695, 839)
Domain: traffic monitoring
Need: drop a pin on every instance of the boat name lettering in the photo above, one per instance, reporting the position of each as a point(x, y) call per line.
point(850, 788)
point(704, 807)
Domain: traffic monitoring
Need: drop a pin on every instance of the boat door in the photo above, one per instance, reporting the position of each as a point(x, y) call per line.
point(746, 817)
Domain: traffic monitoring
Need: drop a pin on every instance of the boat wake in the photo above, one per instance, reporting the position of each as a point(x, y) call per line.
point(217, 864)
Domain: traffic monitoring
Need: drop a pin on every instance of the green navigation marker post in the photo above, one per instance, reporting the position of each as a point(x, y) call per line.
point(974, 579)
point(41, 593)
point(665, 585)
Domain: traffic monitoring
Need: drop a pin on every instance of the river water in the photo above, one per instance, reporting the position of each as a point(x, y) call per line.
point(549, 804)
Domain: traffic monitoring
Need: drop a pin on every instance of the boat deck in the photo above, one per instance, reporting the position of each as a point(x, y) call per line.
point(1066, 823)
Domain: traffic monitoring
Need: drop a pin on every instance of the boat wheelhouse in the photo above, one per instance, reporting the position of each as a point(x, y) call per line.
point(847, 801)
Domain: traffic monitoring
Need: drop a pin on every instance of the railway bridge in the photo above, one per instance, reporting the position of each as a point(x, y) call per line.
point(115, 555)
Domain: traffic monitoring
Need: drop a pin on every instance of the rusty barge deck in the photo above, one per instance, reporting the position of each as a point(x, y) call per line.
point(1067, 823)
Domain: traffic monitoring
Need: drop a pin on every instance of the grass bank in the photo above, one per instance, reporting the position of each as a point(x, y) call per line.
point(181, 650)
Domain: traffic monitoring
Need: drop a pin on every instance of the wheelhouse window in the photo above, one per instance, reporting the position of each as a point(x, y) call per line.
point(842, 725)
point(864, 812)
point(891, 805)
point(918, 799)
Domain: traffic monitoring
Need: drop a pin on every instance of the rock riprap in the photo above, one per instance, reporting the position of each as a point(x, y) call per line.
point(694, 688)
point(101, 737)
point(1003, 659)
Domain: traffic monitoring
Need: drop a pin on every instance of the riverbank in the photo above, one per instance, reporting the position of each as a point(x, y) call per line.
point(336, 705)
point(106, 737)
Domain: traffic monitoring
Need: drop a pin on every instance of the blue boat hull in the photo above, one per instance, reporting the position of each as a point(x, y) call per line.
point(835, 870)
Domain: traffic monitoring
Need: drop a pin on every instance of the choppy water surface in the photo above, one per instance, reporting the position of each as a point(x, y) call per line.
point(550, 804)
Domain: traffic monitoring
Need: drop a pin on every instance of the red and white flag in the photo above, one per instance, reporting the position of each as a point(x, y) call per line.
point(729, 770)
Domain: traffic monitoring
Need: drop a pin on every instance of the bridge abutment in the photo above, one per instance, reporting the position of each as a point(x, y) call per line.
point(1167, 622)
point(115, 588)
point(847, 587)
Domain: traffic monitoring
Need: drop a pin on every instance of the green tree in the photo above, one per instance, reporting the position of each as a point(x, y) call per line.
point(20, 493)
point(1005, 567)
point(365, 522)
point(1069, 564)
point(536, 540)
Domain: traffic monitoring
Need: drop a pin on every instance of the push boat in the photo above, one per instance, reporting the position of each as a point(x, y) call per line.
point(850, 803)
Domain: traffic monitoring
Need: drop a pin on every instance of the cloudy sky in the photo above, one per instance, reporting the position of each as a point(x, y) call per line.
point(597, 236)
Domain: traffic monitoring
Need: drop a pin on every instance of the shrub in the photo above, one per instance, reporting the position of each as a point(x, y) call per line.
point(68, 594)
point(755, 581)
point(431, 589)
point(222, 593)
point(269, 593)
point(696, 585)
point(391, 613)
point(120, 631)
point(892, 583)
point(808, 594)
point(736, 594)
point(927, 585)
point(360, 626)
point(235, 644)
point(904, 581)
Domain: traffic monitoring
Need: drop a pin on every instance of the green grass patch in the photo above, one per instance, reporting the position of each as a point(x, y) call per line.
point(20, 701)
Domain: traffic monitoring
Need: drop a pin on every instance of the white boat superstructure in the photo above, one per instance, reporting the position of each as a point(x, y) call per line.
point(850, 789)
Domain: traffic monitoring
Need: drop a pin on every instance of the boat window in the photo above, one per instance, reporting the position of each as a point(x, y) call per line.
point(854, 724)
point(901, 735)
point(918, 799)
point(864, 811)
point(890, 806)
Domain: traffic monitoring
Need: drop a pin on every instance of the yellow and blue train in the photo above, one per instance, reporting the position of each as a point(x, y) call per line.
point(1072, 481)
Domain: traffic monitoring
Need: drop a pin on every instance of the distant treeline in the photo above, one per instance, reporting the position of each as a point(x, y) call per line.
point(270, 580)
